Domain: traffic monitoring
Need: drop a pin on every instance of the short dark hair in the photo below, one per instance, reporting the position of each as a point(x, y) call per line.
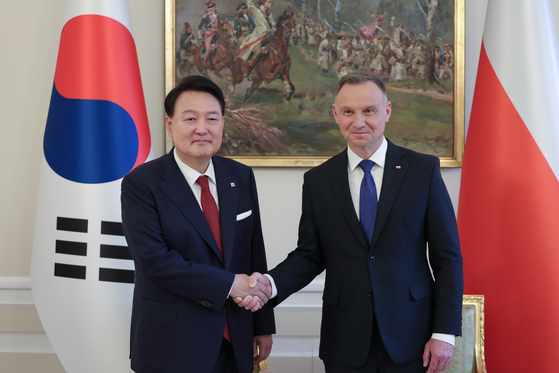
point(195, 83)
point(361, 77)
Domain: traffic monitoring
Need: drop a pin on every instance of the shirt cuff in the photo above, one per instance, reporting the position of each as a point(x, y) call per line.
point(230, 290)
point(274, 289)
point(448, 338)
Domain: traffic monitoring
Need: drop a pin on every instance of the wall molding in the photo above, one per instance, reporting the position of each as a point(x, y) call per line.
point(16, 292)
point(27, 343)
point(308, 298)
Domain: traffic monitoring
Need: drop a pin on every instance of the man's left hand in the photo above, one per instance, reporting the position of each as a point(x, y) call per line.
point(264, 343)
point(439, 353)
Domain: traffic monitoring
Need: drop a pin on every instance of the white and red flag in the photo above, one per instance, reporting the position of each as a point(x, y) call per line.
point(96, 131)
point(370, 31)
point(508, 214)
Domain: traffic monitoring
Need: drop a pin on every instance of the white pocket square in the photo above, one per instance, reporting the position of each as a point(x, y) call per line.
point(244, 215)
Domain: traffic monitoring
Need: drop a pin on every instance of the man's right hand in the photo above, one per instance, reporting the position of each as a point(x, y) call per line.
point(252, 297)
point(255, 281)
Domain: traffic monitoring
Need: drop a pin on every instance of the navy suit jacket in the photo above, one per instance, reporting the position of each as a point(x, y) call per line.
point(389, 276)
point(182, 280)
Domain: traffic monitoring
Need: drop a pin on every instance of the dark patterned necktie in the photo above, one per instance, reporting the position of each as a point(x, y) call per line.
point(211, 213)
point(367, 200)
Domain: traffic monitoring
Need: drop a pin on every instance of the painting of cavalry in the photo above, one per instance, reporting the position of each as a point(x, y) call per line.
point(278, 63)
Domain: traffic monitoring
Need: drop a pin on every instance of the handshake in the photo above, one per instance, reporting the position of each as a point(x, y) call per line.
point(252, 292)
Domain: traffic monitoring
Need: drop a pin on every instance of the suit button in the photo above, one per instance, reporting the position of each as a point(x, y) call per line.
point(224, 310)
point(372, 259)
point(369, 293)
point(206, 303)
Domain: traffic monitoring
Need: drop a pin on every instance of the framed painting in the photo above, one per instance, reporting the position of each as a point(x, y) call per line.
point(278, 63)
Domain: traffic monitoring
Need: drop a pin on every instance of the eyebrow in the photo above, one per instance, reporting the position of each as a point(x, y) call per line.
point(365, 108)
point(188, 111)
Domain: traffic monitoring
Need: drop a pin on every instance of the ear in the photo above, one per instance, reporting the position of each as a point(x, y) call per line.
point(335, 112)
point(169, 126)
point(388, 111)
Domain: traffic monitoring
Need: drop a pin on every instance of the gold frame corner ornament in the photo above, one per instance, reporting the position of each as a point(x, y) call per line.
point(477, 301)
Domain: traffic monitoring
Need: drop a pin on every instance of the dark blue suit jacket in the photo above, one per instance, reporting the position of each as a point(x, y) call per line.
point(389, 276)
point(182, 280)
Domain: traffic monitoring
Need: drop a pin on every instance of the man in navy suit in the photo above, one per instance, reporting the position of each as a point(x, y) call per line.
point(383, 310)
point(192, 223)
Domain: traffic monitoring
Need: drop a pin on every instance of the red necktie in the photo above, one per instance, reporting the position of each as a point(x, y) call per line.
point(211, 213)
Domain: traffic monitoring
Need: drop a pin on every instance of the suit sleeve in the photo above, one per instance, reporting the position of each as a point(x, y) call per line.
point(445, 257)
point(263, 321)
point(304, 263)
point(153, 259)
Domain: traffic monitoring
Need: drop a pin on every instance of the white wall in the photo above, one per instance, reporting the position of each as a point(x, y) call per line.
point(29, 37)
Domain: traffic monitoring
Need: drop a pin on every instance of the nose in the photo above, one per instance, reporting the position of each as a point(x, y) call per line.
point(201, 127)
point(359, 121)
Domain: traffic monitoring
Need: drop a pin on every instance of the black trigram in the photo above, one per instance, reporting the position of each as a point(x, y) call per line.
point(80, 248)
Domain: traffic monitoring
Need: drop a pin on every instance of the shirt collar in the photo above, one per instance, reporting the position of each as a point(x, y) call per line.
point(190, 174)
point(379, 157)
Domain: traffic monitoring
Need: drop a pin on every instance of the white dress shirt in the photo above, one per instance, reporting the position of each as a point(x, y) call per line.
point(191, 176)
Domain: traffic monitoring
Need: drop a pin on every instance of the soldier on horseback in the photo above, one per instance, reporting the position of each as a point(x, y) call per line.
point(250, 50)
point(185, 50)
point(244, 24)
point(210, 23)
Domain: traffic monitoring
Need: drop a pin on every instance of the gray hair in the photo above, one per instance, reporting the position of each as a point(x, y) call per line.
point(361, 77)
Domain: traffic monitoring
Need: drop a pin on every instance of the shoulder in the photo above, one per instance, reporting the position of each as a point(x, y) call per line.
point(334, 163)
point(151, 168)
point(228, 162)
point(411, 156)
point(418, 166)
point(231, 166)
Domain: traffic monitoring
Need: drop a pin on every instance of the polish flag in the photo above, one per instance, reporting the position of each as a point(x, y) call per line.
point(508, 215)
point(97, 131)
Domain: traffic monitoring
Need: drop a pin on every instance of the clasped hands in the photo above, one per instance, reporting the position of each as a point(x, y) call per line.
point(252, 292)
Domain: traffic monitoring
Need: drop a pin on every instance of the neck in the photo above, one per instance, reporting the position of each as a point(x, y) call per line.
point(367, 152)
point(198, 164)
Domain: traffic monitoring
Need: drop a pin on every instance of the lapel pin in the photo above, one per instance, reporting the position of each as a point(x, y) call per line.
point(398, 167)
point(232, 185)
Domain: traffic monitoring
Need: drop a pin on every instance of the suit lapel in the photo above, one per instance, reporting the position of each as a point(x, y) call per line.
point(228, 200)
point(176, 188)
point(339, 183)
point(395, 168)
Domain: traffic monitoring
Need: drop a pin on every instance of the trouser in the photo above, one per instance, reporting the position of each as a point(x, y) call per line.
point(226, 362)
point(378, 360)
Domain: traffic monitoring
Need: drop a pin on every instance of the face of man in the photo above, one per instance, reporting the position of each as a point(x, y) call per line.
point(267, 4)
point(361, 113)
point(196, 128)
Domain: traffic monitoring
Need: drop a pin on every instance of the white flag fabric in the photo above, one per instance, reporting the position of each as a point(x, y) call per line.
point(508, 214)
point(97, 131)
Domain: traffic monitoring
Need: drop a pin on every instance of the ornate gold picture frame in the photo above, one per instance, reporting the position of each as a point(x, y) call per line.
point(288, 122)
